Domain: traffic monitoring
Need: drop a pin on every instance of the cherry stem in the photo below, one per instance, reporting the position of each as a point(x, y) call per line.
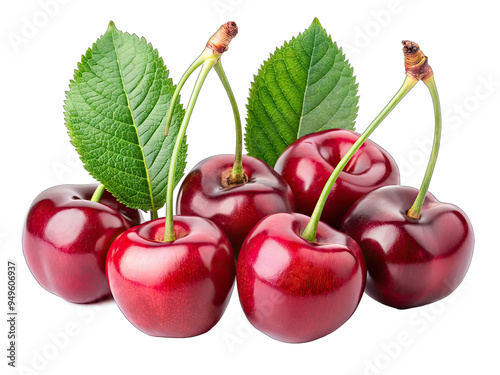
point(154, 214)
point(200, 60)
point(209, 62)
point(237, 175)
point(96, 197)
point(312, 226)
point(414, 211)
point(216, 46)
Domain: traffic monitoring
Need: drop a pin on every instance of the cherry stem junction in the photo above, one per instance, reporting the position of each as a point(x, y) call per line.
point(237, 175)
point(96, 197)
point(414, 211)
point(310, 230)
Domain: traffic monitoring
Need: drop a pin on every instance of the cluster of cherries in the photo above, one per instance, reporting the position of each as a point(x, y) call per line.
point(298, 278)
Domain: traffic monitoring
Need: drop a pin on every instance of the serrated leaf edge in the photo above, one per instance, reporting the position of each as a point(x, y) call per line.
point(181, 163)
point(261, 70)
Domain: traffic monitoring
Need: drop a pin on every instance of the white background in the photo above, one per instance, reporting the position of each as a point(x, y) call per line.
point(458, 335)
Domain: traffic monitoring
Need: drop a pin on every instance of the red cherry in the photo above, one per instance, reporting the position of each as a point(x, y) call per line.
point(296, 290)
point(309, 161)
point(172, 289)
point(66, 238)
point(237, 208)
point(410, 262)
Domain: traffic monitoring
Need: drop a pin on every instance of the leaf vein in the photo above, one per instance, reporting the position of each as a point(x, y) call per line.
point(133, 119)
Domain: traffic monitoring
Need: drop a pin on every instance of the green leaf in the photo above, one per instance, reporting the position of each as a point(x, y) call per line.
point(304, 87)
point(115, 111)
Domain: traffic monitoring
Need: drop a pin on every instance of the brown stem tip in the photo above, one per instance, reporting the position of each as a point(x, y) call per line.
point(416, 63)
point(220, 40)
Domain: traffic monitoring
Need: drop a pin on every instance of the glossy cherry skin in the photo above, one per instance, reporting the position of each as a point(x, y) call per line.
point(294, 290)
point(172, 289)
point(66, 238)
point(235, 209)
point(309, 161)
point(410, 262)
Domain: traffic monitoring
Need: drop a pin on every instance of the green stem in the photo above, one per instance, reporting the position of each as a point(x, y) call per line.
point(183, 80)
point(237, 172)
point(96, 197)
point(414, 211)
point(312, 226)
point(154, 214)
point(169, 235)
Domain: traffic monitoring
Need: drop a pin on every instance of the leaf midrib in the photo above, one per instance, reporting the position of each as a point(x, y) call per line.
point(307, 86)
point(134, 124)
